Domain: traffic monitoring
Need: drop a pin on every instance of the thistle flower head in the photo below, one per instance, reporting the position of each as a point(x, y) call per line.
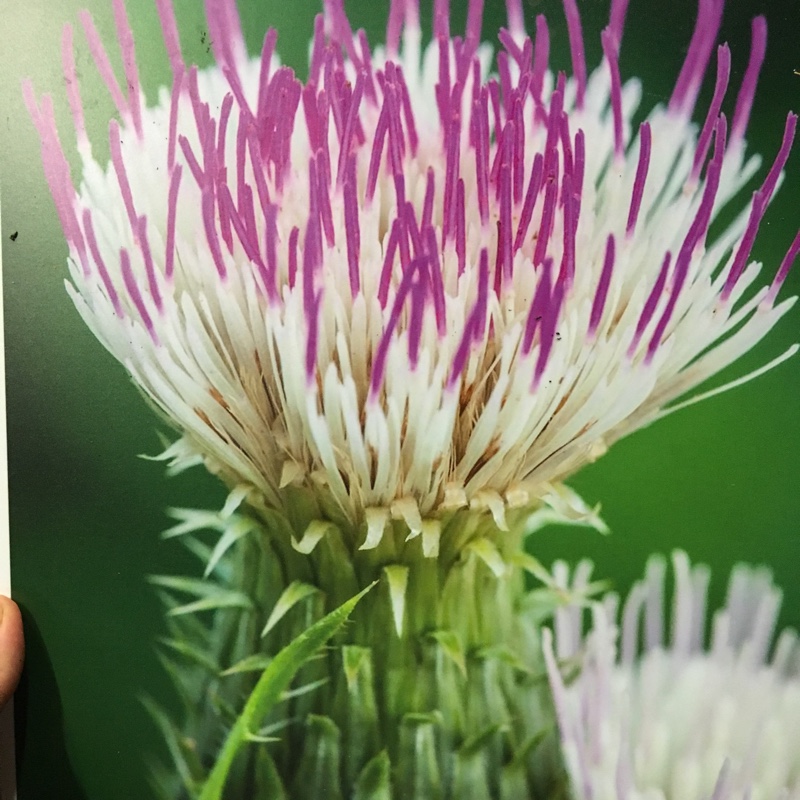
point(408, 284)
point(700, 717)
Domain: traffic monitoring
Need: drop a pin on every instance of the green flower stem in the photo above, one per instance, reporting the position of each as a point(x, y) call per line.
point(434, 688)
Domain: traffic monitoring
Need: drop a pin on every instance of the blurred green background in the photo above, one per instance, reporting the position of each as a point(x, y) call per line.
point(719, 479)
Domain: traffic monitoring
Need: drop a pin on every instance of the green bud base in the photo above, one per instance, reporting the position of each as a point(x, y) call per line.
point(433, 690)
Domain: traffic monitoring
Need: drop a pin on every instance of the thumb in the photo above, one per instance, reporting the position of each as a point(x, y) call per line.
point(12, 648)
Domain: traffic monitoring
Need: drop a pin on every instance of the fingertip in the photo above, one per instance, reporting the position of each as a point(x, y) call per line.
point(12, 647)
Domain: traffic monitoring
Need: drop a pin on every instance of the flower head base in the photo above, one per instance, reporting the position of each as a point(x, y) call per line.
point(404, 285)
point(678, 720)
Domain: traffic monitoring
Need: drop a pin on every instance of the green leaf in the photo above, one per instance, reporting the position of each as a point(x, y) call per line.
point(291, 595)
point(223, 599)
point(190, 520)
point(240, 527)
point(191, 652)
point(374, 782)
point(255, 663)
point(304, 689)
point(533, 566)
point(397, 575)
point(185, 761)
point(271, 685)
point(177, 583)
point(450, 643)
point(487, 551)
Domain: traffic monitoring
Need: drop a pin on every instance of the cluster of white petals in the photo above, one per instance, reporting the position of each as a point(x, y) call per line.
point(407, 284)
point(697, 717)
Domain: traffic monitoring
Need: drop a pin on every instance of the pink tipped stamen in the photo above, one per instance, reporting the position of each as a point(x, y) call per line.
point(548, 219)
point(172, 41)
point(541, 56)
point(650, 304)
point(548, 331)
point(757, 210)
point(340, 30)
point(436, 280)
point(149, 266)
point(191, 160)
point(114, 140)
point(703, 142)
point(506, 88)
point(566, 147)
point(534, 185)
point(518, 155)
point(103, 64)
point(73, 87)
point(783, 156)
point(324, 204)
point(351, 224)
point(172, 207)
point(317, 50)
point(135, 295)
point(601, 294)
point(125, 36)
point(312, 342)
point(504, 239)
point(576, 49)
point(645, 142)
point(761, 200)
point(267, 52)
point(441, 19)
point(744, 101)
point(610, 50)
point(475, 324)
point(427, 205)
point(394, 27)
point(408, 113)
point(224, 117)
point(451, 176)
point(94, 249)
point(408, 281)
point(553, 128)
point(472, 38)
point(294, 237)
point(177, 88)
point(783, 271)
point(567, 268)
point(248, 244)
point(368, 68)
point(262, 190)
point(271, 248)
point(507, 40)
point(381, 131)
point(697, 231)
point(349, 128)
point(541, 298)
point(208, 212)
point(416, 317)
point(480, 114)
point(461, 227)
point(687, 87)
point(616, 22)
point(516, 19)
point(227, 42)
point(388, 262)
point(56, 169)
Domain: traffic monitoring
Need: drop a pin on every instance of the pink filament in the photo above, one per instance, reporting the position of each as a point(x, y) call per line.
point(576, 48)
point(102, 63)
point(135, 295)
point(744, 101)
point(645, 140)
